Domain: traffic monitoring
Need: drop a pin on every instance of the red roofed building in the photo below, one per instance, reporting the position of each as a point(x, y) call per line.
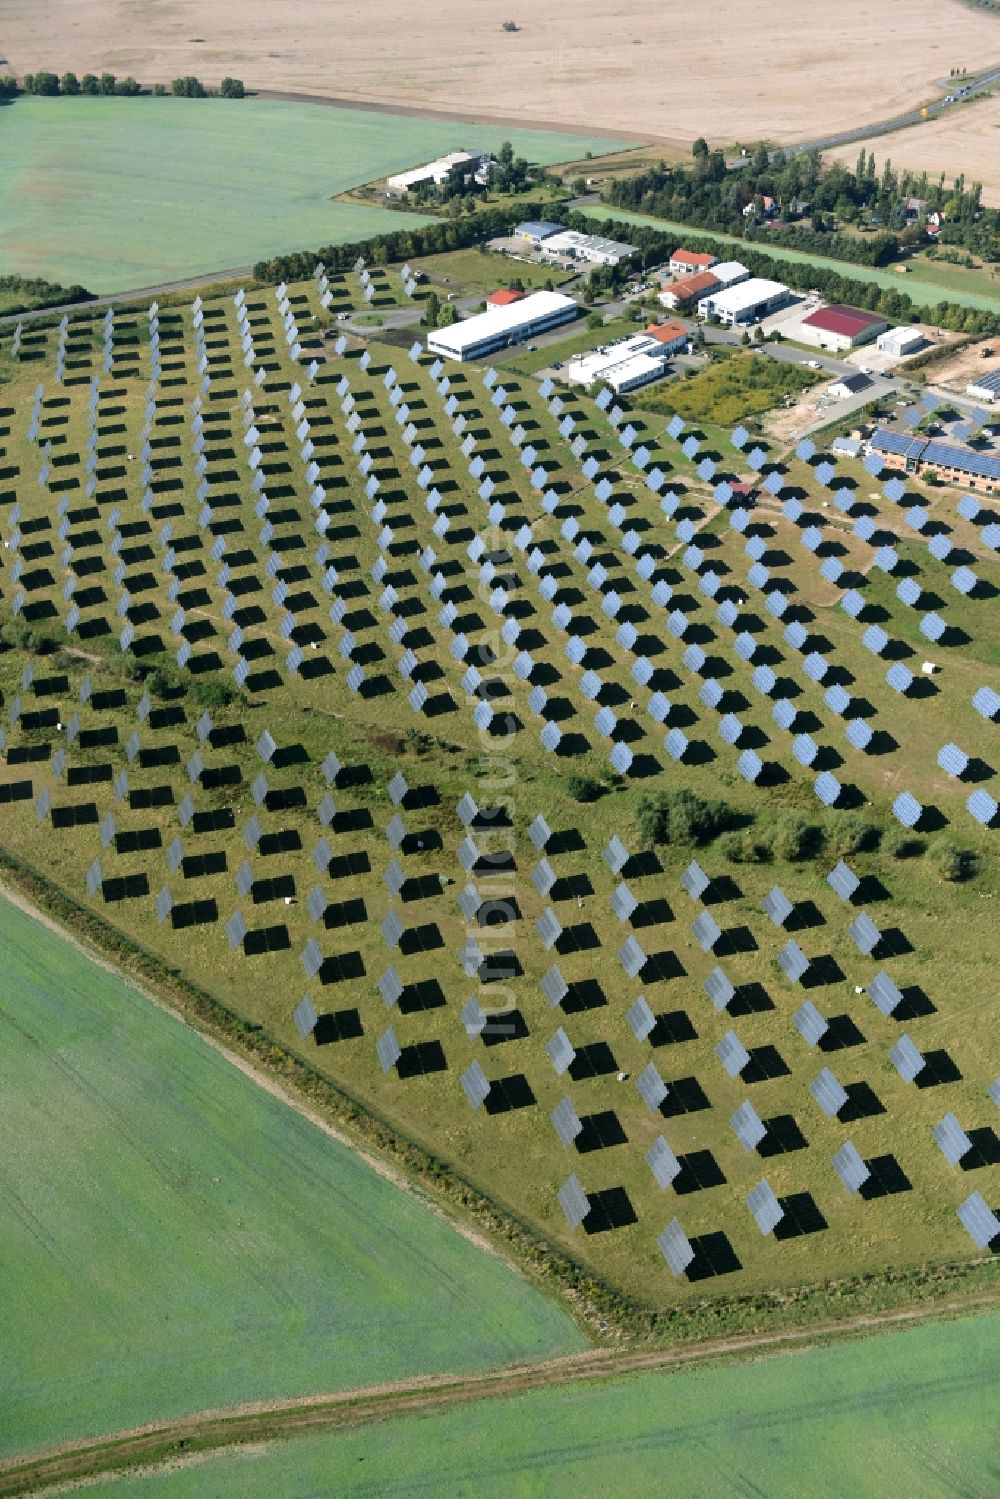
point(504, 297)
point(672, 335)
point(840, 328)
point(685, 262)
point(689, 289)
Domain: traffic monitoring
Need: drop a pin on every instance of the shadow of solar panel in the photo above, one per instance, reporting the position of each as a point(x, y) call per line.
point(421, 1058)
point(713, 1255)
point(125, 887)
point(266, 939)
point(137, 840)
point(193, 913)
point(82, 814)
point(341, 967)
point(862, 1103)
point(699, 1172)
point(218, 820)
point(610, 1209)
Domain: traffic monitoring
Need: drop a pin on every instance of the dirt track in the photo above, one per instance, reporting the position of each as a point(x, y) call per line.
point(70, 1463)
point(643, 67)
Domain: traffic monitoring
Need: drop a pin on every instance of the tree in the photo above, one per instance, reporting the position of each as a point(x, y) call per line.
point(432, 310)
point(8, 87)
point(510, 26)
point(41, 83)
point(69, 84)
point(699, 147)
point(106, 83)
point(745, 337)
point(595, 319)
point(232, 88)
point(89, 84)
point(188, 87)
point(128, 87)
point(159, 90)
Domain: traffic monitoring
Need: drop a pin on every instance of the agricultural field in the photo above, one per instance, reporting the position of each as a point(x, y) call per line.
point(923, 292)
point(124, 193)
point(909, 1412)
point(565, 67)
point(361, 690)
point(177, 1238)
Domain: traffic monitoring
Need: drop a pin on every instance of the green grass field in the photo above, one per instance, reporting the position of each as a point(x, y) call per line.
point(729, 390)
point(485, 272)
point(174, 1238)
point(123, 193)
point(906, 1413)
point(924, 292)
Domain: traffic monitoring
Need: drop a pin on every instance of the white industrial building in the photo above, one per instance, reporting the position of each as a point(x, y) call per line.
point(730, 273)
point(985, 387)
point(898, 342)
point(499, 327)
point(745, 303)
point(623, 366)
point(591, 247)
point(436, 172)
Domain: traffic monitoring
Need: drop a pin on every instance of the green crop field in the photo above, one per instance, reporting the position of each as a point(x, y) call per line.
point(906, 1413)
point(123, 193)
point(175, 1238)
point(924, 292)
point(352, 597)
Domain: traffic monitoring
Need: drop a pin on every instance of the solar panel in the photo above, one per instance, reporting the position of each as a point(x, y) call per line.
point(652, 1089)
point(750, 765)
point(732, 1054)
point(986, 702)
point(932, 627)
point(388, 1049)
point(907, 1060)
point(982, 1225)
point(695, 881)
point(675, 1248)
point(865, 933)
point(539, 832)
point(632, 957)
point(305, 1017)
point(952, 760)
point(566, 1122)
point(236, 929)
point(748, 1127)
point(641, 1018)
point(662, 1162)
point(828, 1093)
point(907, 810)
point(549, 928)
point(615, 854)
point(706, 931)
point(810, 1023)
point(560, 1051)
point(982, 807)
point(765, 1207)
point(473, 1018)
point(899, 677)
point(842, 880)
point(719, 989)
point(574, 1201)
point(850, 1167)
point(954, 1143)
point(884, 993)
point(475, 1084)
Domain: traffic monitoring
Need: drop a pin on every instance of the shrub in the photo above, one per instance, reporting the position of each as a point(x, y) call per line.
point(795, 838)
point(584, 788)
point(851, 835)
point(681, 817)
point(953, 863)
point(745, 846)
point(898, 843)
point(232, 88)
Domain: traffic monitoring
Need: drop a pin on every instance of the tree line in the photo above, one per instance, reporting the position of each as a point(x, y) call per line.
point(814, 203)
point(68, 85)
